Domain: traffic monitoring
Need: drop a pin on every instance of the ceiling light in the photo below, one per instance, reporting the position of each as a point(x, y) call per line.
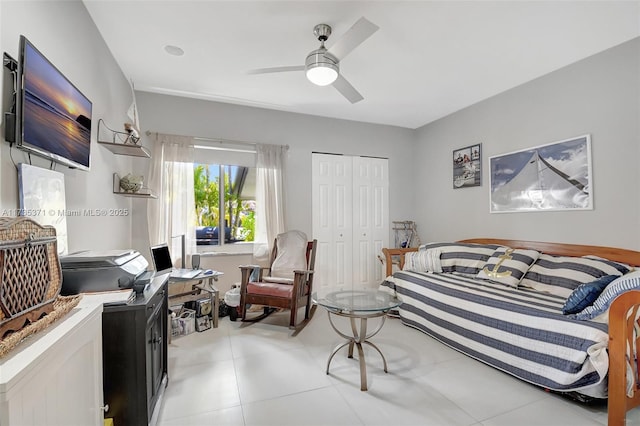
point(322, 75)
point(173, 50)
point(321, 67)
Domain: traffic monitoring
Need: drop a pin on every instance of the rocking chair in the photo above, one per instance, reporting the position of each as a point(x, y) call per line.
point(286, 283)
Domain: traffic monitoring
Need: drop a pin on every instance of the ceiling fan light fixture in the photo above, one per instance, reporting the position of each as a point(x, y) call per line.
point(321, 67)
point(322, 74)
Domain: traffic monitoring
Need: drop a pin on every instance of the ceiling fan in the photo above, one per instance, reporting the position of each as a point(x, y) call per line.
point(322, 65)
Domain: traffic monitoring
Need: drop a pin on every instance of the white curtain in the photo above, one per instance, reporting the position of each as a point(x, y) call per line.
point(173, 213)
point(270, 215)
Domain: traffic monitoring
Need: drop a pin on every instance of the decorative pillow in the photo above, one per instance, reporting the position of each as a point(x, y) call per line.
point(291, 254)
point(560, 275)
point(462, 258)
point(508, 266)
point(423, 261)
point(627, 282)
point(585, 294)
point(622, 267)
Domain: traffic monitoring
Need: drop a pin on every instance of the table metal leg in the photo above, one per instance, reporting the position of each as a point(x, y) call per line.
point(359, 337)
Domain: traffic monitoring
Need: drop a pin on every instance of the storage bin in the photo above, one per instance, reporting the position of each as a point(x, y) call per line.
point(183, 323)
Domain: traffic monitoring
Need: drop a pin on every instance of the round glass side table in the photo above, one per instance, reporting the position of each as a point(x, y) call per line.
point(359, 305)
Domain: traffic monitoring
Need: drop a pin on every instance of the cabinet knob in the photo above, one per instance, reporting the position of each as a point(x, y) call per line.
point(105, 408)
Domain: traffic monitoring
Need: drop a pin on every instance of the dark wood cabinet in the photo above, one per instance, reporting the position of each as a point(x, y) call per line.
point(135, 356)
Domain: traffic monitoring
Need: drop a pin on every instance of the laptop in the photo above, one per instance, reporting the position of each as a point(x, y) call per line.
point(162, 262)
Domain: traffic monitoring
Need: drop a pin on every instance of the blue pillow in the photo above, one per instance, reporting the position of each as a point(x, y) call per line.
point(585, 294)
point(630, 281)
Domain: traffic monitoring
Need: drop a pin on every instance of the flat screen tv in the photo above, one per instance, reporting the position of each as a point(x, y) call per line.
point(55, 117)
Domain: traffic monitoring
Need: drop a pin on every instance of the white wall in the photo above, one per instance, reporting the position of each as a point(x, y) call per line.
point(64, 32)
point(303, 133)
point(599, 96)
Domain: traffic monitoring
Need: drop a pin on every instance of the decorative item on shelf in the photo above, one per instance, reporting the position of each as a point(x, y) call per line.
point(126, 142)
point(131, 186)
point(131, 183)
point(134, 135)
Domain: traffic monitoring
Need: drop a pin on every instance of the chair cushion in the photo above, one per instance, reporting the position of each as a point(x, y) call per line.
point(291, 254)
point(271, 289)
point(278, 280)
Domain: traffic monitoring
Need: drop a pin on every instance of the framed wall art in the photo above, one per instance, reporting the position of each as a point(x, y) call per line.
point(42, 198)
point(467, 167)
point(549, 177)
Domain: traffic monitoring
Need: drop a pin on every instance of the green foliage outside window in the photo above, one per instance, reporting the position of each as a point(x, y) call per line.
point(238, 214)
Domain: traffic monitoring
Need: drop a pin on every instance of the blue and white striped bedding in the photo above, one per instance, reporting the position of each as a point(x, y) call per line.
point(520, 331)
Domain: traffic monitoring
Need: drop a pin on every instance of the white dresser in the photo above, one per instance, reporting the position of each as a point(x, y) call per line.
point(55, 377)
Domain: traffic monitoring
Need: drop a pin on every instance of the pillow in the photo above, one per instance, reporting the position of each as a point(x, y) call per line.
point(423, 261)
point(617, 287)
point(560, 275)
point(291, 254)
point(622, 267)
point(508, 266)
point(585, 294)
point(462, 258)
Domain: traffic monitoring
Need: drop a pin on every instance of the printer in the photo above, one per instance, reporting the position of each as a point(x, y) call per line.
point(92, 271)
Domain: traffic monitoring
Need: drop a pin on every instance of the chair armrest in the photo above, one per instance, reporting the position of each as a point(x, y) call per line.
point(303, 271)
point(249, 266)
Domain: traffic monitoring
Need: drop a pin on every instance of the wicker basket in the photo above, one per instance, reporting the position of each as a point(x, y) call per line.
point(30, 273)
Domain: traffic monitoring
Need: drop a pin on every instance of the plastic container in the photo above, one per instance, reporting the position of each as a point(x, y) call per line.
point(232, 299)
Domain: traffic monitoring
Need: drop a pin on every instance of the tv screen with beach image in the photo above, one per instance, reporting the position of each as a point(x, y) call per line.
point(56, 116)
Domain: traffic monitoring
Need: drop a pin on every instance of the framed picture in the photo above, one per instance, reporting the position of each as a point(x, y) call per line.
point(467, 169)
point(42, 198)
point(549, 177)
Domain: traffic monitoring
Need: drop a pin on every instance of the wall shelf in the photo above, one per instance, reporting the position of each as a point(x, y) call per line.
point(122, 143)
point(126, 149)
point(143, 193)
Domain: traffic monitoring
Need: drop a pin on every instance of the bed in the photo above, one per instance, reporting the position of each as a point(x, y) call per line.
point(522, 329)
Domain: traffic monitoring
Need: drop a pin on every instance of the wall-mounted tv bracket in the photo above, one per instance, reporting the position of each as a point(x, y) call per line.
point(10, 121)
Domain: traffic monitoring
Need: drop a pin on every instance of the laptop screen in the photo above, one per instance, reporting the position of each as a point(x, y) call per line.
point(161, 257)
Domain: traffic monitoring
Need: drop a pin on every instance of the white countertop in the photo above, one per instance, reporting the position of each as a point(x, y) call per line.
point(31, 352)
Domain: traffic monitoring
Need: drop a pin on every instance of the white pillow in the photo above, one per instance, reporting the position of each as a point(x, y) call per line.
point(423, 261)
point(291, 254)
point(508, 266)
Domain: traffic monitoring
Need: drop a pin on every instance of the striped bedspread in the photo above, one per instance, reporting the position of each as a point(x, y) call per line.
point(521, 332)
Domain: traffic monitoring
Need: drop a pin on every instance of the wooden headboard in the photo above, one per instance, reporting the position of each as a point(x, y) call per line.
point(629, 257)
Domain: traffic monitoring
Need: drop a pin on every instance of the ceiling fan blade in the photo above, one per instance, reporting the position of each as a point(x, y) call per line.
point(347, 90)
point(359, 32)
point(276, 69)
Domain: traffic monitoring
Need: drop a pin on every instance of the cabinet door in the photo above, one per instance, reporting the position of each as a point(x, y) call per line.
point(64, 385)
point(154, 354)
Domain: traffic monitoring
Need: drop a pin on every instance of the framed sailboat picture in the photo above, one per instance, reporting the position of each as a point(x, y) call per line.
point(467, 166)
point(549, 177)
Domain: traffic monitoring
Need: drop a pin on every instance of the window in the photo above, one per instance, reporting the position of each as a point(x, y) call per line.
point(224, 191)
point(237, 203)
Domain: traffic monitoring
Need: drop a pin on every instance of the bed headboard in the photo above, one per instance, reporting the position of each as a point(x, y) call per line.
point(630, 257)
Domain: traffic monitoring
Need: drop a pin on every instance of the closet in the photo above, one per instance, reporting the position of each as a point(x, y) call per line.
point(350, 218)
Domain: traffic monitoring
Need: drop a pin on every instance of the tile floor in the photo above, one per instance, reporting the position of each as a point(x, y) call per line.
point(259, 374)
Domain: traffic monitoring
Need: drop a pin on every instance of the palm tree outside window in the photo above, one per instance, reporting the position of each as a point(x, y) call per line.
point(224, 200)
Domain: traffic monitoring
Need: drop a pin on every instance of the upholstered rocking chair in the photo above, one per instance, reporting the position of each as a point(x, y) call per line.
point(288, 281)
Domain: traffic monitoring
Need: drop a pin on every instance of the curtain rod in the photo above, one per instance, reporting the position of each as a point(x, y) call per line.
point(221, 141)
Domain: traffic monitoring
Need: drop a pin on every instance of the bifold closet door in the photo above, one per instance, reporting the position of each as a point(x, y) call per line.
point(332, 211)
point(350, 218)
point(370, 218)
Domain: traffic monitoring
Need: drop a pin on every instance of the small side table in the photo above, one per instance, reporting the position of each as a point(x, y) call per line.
point(206, 284)
point(357, 305)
